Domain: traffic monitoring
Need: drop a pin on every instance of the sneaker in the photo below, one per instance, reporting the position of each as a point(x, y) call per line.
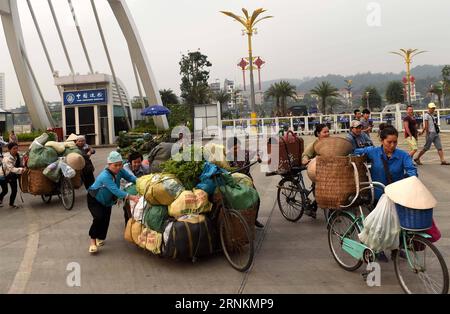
point(445, 163)
point(258, 224)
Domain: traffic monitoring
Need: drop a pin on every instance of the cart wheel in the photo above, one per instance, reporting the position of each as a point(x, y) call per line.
point(46, 198)
point(67, 193)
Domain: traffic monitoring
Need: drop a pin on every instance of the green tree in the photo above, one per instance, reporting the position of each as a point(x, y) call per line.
point(194, 79)
point(437, 89)
point(285, 91)
point(374, 98)
point(273, 93)
point(324, 90)
point(168, 97)
point(394, 92)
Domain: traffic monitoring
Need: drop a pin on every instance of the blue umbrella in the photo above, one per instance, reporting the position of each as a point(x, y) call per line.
point(156, 110)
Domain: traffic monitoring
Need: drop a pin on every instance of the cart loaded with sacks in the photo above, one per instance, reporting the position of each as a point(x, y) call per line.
point(195, 209)
point(52, 169)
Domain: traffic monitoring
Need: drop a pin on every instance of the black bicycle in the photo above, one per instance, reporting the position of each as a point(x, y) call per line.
point(293, 197)
point(235, 236)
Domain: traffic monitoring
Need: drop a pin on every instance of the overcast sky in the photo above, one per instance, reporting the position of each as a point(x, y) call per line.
point(305, 38)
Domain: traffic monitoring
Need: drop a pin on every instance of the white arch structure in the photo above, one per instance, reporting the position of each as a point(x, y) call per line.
point(31, 93)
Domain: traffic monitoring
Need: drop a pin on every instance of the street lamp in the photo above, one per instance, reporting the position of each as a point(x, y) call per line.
point(349, 91)
point(249, 23)
point(367, 100)
point(407, 55)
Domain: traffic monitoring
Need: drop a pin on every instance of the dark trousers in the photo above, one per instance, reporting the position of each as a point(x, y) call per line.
point(101, 215)
point(88, 178)
point(126, 212)
point(12, 197)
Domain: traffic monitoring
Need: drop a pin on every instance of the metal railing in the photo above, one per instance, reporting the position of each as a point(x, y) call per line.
point(337, 123)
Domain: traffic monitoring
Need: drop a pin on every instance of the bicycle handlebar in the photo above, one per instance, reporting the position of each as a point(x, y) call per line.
point(371, 185)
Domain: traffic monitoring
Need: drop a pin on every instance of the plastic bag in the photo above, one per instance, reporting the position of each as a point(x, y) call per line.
point(67, 170)
point(382, 227)
point(53, 171)
point(138, 210)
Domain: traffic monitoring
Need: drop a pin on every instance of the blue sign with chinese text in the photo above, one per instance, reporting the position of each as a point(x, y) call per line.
point(86, 97)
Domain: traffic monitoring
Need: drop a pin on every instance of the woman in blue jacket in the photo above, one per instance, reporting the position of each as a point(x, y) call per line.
point(103, 194)
point(389, 164)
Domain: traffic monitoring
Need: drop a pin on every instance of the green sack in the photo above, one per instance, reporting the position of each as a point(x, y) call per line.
point(131, 190)
point(237, 195)
point(155, 217)
point(72, 150)
point(42, 157)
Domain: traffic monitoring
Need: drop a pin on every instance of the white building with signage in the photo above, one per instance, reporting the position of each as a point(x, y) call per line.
point(92, 107)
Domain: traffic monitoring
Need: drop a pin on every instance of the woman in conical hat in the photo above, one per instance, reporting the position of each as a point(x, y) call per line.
point(389, 164)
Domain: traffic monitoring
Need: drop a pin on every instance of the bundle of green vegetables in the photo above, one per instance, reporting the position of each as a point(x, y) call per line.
point(186, 166)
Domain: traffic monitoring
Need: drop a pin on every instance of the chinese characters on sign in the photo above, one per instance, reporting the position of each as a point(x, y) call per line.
point(86, 97)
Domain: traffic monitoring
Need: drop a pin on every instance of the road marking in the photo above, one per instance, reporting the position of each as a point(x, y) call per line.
point(23, 274)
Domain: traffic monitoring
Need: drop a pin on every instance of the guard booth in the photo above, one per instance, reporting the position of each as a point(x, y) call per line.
point(92, 107)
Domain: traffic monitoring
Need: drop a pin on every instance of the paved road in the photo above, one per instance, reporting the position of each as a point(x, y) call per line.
point(38, 241)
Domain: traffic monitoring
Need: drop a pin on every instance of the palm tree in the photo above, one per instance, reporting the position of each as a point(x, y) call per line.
point(168, 97)
point(273, 92)
point(223, 98)
point(324, 90)
point(285, 91)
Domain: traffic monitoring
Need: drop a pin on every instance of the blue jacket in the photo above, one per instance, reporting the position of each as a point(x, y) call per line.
point(400, 165)
point(106, 189)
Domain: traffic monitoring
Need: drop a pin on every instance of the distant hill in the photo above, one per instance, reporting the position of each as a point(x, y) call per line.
point(425, 75)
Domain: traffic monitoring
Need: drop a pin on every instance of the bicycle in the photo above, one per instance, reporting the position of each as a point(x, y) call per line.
point(415, 261)
point(293, 197)
point(236, 238)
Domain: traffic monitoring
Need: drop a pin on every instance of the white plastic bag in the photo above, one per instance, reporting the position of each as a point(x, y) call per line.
point(137, 210)
point(67, 170)
point(382, 227)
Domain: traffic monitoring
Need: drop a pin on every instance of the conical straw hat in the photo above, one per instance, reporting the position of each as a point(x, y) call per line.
point(72, 137)
point(333, 146)
point(411, 193)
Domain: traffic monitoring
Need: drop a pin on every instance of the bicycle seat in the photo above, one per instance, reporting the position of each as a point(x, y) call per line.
point(297, 169)
point(363, 199)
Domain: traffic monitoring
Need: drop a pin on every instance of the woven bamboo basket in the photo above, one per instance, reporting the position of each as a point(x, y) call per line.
point(336, 180)
point(38, 184)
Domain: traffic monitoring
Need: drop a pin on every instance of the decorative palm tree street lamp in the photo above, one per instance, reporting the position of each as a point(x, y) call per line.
point(407, 55)
point(349, 91)
point(249, 23)
point(367, 98)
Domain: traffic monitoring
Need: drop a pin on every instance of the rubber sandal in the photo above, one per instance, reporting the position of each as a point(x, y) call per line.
point(93, 249)
point(418, 162)
point(445, 163)
point(100, 242)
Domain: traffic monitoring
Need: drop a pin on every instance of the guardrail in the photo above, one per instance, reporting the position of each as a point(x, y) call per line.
point(337, 123)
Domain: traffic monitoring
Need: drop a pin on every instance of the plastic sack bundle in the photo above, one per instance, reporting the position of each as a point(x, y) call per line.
point(41, 157)
point(190, 202)
point(39, 141)
point(155, 217)
point(137, 209)
point(67, 170)
point(238, 195)
point(159, 188)
point(58, 147)
point(207, 183)
point(53, 171)
point(382, 227)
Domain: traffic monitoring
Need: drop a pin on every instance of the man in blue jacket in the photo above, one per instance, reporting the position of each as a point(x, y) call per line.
point(103, 194)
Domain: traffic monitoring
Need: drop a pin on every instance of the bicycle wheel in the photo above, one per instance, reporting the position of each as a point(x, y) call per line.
point(342, 224)
point(420, 268)
point(67, 194)
point(236, 240)
point(46, 198)
point(291, 201)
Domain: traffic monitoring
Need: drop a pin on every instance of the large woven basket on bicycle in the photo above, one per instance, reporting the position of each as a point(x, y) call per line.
point(336, 181)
